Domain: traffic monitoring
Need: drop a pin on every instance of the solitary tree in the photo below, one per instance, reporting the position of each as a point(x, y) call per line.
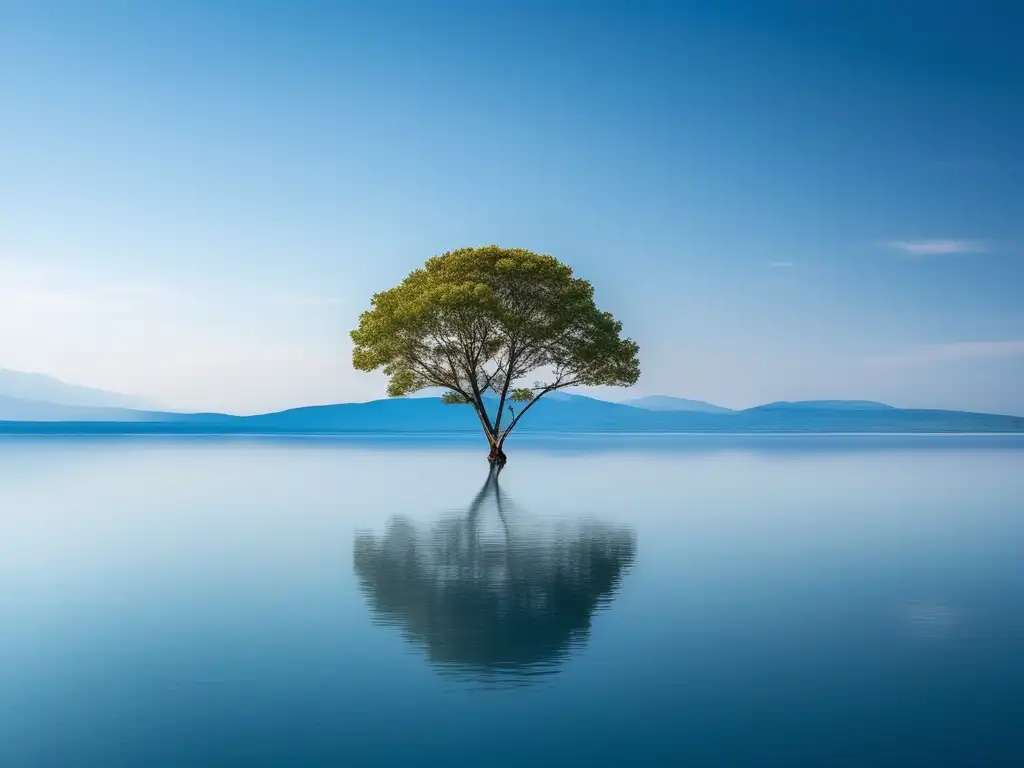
point(481, 320)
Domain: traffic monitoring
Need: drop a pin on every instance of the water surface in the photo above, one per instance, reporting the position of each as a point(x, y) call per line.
point(607, 601)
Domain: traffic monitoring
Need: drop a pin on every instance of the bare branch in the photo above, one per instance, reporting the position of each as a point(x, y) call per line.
point(544, 390)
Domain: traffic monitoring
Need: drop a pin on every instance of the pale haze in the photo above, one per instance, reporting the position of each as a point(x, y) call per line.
point(197, 200)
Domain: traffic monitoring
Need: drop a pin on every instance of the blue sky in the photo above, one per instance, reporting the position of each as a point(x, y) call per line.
point(784, 200)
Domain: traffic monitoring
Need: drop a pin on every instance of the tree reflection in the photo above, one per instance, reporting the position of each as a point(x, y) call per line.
point(491, 593)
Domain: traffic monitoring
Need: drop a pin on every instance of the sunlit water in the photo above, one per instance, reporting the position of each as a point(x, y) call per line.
point(798, 601)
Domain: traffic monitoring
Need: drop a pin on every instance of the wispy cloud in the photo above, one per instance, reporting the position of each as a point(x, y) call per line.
point(13, 269)
point(39, 301)
point(937, 247)
point(954, 352)
point(140, 290)
point(299, 301)
point(28, 289)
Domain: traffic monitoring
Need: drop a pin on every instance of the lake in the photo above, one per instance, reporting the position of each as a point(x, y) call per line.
point(626, 601)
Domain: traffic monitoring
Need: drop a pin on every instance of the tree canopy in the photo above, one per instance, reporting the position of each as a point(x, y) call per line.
point(479, 320)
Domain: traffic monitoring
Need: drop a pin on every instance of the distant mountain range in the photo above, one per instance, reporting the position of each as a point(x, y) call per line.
point(666, 403)
point(839, 405)
point(20, 409)
point(38, 388)
point(564, 414)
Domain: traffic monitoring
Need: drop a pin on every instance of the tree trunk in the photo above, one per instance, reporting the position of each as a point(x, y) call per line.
point(497, 456)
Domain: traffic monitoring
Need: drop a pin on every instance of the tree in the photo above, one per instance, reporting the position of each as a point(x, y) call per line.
point(481, 320)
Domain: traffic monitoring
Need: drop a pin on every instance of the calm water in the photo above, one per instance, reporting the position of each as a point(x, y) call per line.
point(802, 601)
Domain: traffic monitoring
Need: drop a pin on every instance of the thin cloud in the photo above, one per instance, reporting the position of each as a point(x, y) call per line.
point(136, 290)
point(47, 298)
point(954, 352)
point(937, 247)
point(30, 288)
point(32, 302)
point(26, 288)
point(306, 301)
point(21, 270)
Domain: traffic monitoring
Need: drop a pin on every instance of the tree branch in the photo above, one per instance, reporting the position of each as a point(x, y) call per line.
point(505, 386)
point(544, 391)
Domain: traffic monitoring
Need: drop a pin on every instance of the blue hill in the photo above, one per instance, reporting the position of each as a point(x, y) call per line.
point(826, 405)
point(39, 388)
point(667, 403)
point(20, 409)
point(23, 409)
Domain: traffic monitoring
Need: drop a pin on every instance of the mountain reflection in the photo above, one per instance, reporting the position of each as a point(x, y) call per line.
point(492, 594)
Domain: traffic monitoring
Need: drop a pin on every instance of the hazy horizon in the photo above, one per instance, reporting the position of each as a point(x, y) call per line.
point(801, 203)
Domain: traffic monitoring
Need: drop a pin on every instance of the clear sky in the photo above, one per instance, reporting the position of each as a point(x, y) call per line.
point(786, 200)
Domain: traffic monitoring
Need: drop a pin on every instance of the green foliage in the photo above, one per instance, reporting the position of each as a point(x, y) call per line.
point(479, 319)
point(454, 398)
